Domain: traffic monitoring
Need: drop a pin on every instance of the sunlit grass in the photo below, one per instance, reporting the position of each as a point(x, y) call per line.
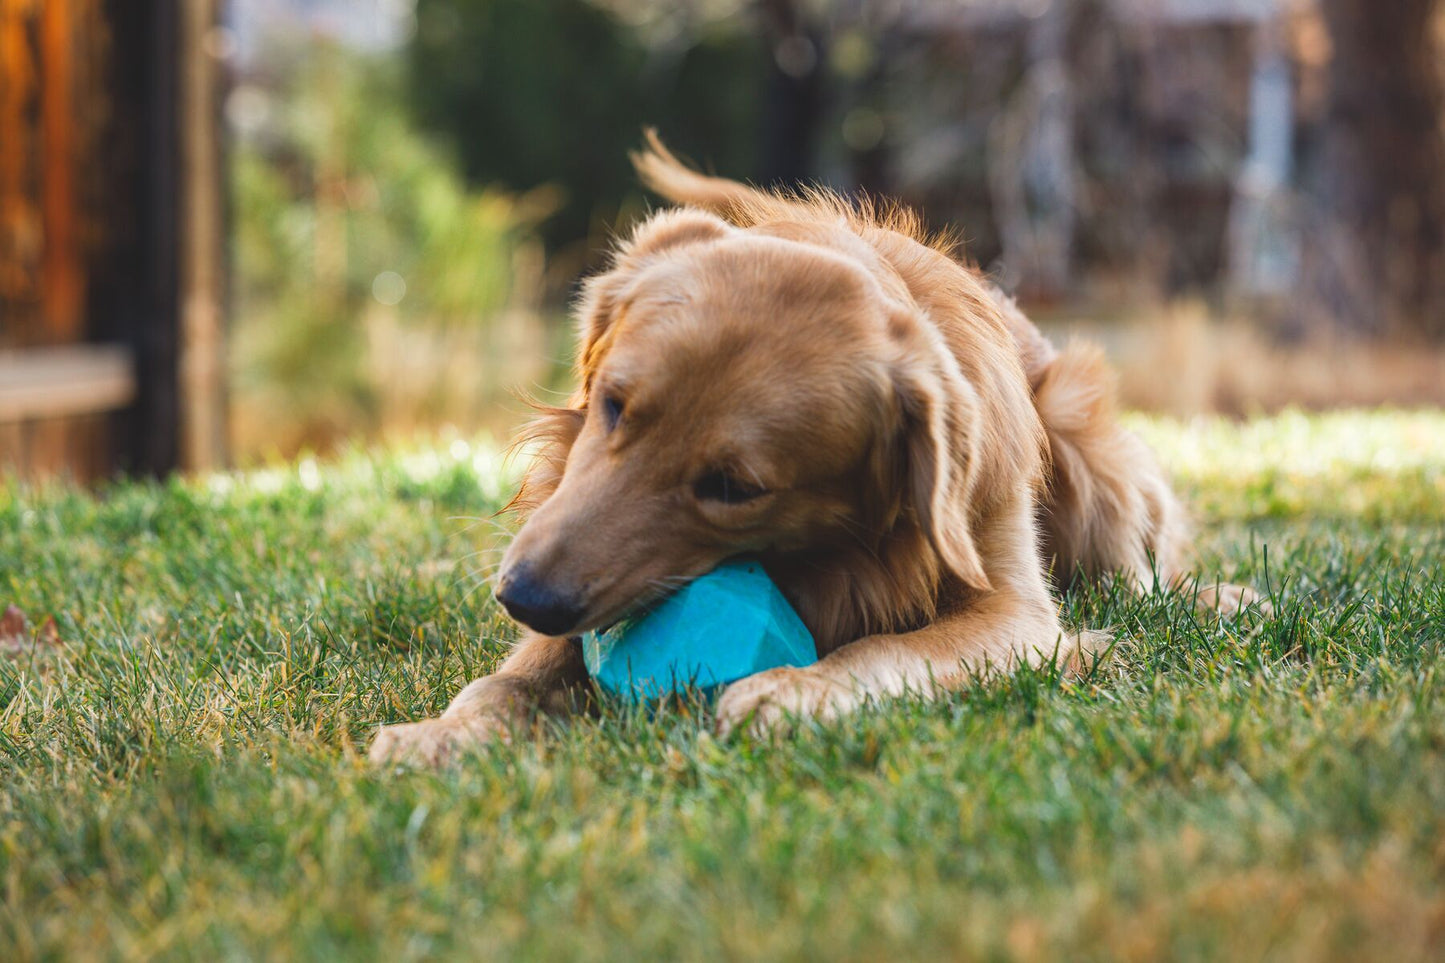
point(1376, 465)
point(182, 775)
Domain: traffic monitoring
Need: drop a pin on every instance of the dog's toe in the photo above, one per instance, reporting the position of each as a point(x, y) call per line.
point(432, 744)
point(771, 701)
point(1229, 599)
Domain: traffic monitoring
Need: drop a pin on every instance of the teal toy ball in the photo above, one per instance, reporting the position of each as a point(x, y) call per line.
point(721, 627)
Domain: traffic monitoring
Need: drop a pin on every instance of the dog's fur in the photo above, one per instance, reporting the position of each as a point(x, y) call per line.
point(916, 460)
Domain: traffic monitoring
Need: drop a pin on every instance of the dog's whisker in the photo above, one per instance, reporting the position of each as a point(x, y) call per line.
point(492, 550)
point(858, 533)
point(481, 573)
point(497, 529)
point(486, 570)
point(481, 584)
point(473, 522)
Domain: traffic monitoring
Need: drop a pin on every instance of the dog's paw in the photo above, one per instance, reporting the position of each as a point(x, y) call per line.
point(1231, 600)
point(769, 701)
point(434, 743)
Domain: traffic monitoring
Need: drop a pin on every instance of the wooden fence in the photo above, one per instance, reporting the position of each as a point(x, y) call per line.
point(111, 281)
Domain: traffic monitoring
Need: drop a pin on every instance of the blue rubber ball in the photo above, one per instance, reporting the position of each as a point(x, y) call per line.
point(721, 627)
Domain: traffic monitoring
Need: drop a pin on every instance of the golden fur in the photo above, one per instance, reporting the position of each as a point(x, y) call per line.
point(918, 459)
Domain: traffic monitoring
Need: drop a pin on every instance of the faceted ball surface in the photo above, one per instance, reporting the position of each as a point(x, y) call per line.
point(724, 626)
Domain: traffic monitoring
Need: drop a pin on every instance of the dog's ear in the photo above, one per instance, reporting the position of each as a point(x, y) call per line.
point(604, 296)
point(940, 431)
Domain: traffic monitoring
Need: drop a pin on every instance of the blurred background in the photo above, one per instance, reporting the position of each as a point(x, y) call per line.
point(234, 231)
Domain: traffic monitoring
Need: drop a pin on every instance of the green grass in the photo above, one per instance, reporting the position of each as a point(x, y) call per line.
point(183, 776)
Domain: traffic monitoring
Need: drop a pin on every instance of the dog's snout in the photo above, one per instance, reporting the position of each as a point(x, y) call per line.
point(536, 604)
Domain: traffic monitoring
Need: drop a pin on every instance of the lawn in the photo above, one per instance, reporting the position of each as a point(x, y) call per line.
point(182, 767)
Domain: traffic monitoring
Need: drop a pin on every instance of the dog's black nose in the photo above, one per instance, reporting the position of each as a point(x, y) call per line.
point(536, 604)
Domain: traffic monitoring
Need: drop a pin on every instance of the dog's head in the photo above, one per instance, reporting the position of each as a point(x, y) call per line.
point(743, 391)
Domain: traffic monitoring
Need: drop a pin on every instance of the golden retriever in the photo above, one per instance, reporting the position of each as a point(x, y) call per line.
point(818, 384)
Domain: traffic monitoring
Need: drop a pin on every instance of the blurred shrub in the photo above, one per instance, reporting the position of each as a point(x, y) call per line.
point(555, 92)
point(375, 292)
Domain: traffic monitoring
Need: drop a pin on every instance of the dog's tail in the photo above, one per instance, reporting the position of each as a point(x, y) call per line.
point(1109, 507)
point(738, 203)
point(745, 205)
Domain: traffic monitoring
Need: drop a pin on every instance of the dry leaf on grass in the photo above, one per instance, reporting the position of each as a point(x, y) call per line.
point(16, 637)
point(12, 628)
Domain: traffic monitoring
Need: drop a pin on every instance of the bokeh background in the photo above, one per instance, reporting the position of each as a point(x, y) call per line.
point(1244, 200)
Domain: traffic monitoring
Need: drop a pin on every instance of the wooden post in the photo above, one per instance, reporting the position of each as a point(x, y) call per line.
point(20, 230)
point(63, 283)
point(111, 237)
point(203, 339)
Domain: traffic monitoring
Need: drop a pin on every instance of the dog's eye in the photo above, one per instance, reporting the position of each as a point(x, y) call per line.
point(719, 486)
point(611, 411)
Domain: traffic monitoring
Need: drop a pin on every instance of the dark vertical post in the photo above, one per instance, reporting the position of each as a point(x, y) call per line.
point(1381, 188)
point(134, 299)
point(795, 95)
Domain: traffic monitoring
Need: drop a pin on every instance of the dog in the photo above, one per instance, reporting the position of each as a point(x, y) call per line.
point(818, 383)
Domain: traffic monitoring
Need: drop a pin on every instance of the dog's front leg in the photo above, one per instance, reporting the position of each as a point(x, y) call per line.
point(995, 633)
point(539, 675)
